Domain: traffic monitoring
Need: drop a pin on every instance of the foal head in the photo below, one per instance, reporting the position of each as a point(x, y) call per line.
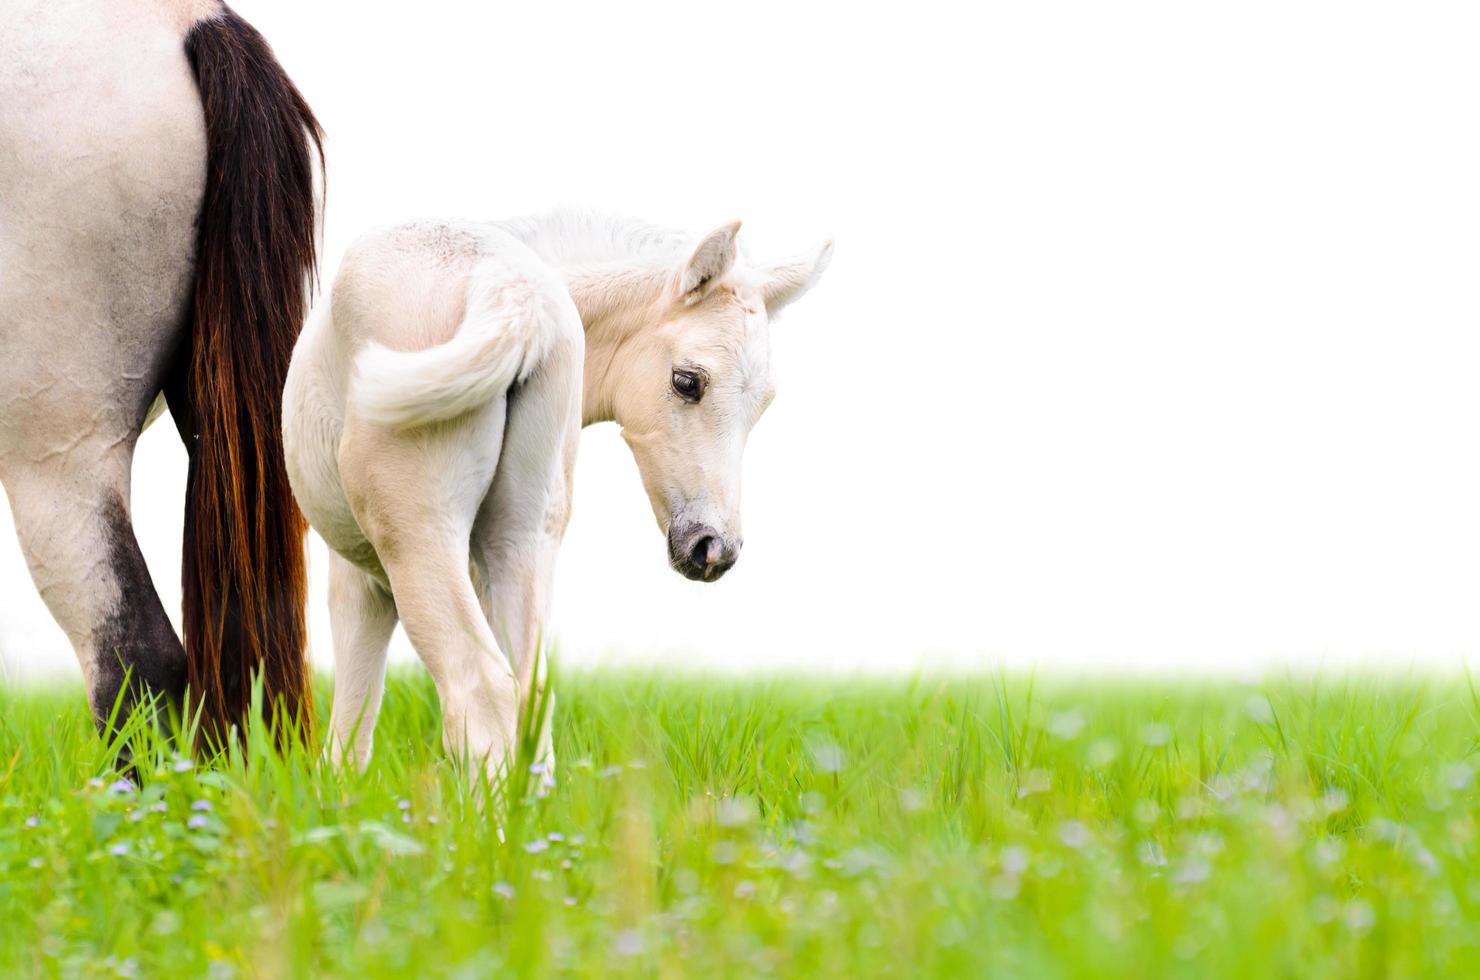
point(692, 381)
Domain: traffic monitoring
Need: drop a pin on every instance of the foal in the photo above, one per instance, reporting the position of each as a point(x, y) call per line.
point(431, 419)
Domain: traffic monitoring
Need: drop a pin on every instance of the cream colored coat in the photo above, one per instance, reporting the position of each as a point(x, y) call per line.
point(431, 420)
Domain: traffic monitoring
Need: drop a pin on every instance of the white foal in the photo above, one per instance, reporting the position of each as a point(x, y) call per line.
point(431, 419)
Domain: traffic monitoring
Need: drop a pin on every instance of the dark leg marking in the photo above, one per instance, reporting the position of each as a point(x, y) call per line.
point(137, 640)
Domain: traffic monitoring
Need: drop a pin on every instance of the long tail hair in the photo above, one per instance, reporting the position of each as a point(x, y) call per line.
point(245, 576)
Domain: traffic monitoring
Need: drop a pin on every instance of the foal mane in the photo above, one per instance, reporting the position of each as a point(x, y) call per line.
point(570, 237)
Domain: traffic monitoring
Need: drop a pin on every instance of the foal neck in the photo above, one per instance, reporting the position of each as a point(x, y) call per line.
point(616, 304)
point(618, 270)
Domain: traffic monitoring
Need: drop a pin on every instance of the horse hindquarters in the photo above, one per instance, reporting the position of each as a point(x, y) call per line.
point(103, 156)
point(93, 300)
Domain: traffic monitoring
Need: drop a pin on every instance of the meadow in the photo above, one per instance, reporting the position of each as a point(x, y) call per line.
point(1000, 825)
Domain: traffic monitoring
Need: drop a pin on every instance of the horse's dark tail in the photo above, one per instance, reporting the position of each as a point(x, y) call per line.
point(245, 577)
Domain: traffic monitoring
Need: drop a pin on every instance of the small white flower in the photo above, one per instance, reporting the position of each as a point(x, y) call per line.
point(1102, 751)
point(1074, 834)
point(1328, 851)
point(735, 811)
point(1157, 733)
point(1004, 887)
point(828, 757)
point(1259, 709)
point(1192, 871)
point(1066, 725)
point(1458, 775)
point(1149, 853)
point(1014, 859)
point(1358, 915)
point(1034, 781)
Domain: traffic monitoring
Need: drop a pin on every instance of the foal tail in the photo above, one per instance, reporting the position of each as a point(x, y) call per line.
point(510, 326)
point(245, 580)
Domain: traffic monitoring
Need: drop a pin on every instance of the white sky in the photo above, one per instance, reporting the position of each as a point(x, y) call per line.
point(1151, 340)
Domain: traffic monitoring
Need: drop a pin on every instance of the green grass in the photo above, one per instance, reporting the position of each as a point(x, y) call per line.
point(721, 828)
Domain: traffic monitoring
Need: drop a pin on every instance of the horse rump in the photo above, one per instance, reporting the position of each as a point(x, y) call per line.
point(244, 569)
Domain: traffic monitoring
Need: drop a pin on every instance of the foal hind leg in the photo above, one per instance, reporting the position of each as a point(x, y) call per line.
point(415, 495)
point(362, 616)
point(71, 514)
point(522, 521)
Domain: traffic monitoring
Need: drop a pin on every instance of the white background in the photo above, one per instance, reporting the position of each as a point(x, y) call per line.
point(1150, 342)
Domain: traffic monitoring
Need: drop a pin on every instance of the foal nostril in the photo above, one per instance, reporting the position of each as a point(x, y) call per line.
point(701, 553)
point(708, 557)
point(705, 552)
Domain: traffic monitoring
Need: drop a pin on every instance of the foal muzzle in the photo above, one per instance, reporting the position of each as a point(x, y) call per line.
point(700, 553)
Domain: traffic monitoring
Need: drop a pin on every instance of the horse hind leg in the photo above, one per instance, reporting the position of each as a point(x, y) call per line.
point(71, 514)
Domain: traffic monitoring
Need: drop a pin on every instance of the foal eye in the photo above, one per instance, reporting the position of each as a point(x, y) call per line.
point(688, 384)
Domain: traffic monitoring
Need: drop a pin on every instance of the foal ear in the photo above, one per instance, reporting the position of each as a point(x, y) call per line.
point(784, 284)
point(712, 258)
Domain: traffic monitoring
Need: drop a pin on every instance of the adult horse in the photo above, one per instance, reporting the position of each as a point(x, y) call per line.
point(157, 236)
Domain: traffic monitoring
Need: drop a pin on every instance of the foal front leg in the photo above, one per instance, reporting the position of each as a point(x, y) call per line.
point(363, 616)
point(516, 585)
point(521, 523)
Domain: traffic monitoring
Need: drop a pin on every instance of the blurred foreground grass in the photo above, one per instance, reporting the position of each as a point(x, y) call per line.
point(1306, 828)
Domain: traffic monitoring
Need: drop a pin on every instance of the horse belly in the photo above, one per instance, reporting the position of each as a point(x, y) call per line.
point(102, 168)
